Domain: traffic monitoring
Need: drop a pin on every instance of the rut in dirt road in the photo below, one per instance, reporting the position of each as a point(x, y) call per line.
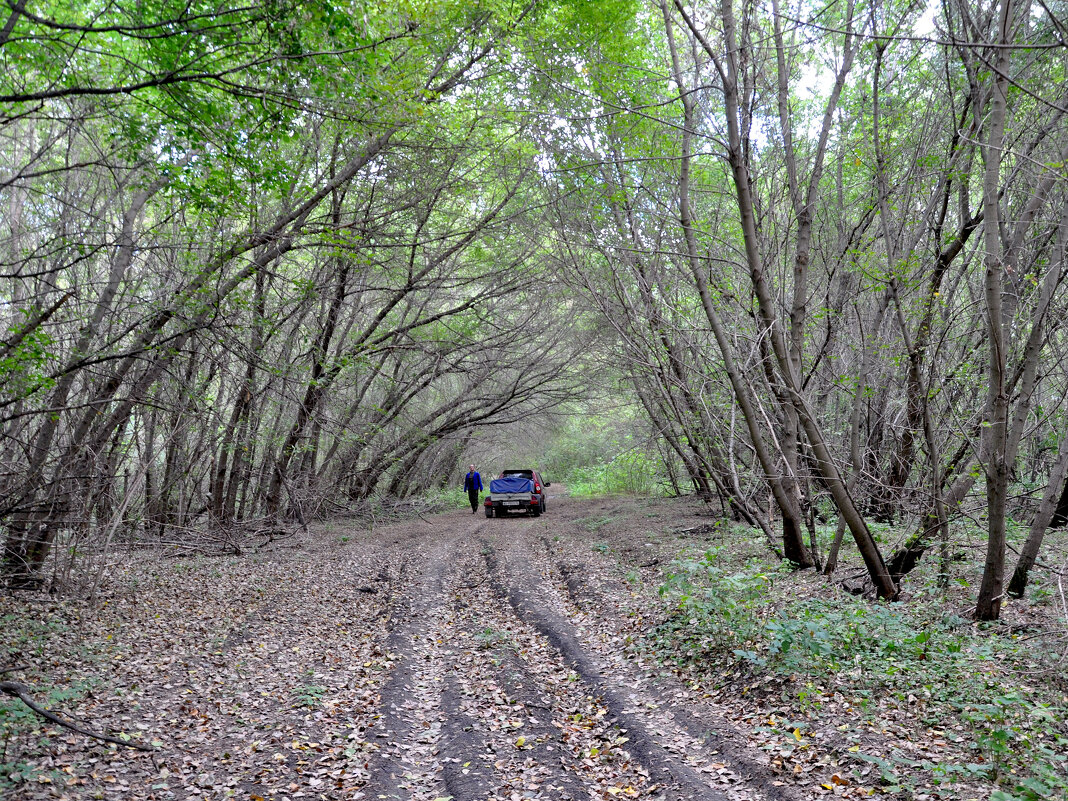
point(498, 692)
point(450, 657)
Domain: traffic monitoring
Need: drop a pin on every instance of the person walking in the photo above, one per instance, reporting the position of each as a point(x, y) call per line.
point(473, 485)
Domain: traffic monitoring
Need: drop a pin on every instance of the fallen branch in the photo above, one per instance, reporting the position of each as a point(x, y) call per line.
point(703, 528)
point(22, 692)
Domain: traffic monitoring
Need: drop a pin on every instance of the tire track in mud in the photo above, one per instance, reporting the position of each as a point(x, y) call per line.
point(713, 731)
point(403, 766)
point(465, 770)
point(492, 701)
point(429, 745)
point(467, 763)
point(480, 706)
point(416, 665)
point(523, 704)
point(677, 747)
point(530, 602)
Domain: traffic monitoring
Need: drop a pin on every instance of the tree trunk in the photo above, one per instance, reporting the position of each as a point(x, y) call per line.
point(825, 464)
point(988, 604)
point(1060, 516)
point(1046, 510)
point(793, 541)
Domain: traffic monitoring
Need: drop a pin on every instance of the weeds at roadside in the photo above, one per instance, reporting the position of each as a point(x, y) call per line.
point(309, 695)
point(30, 642)
point(594, 523)
point(878, 660)
point(489, 639)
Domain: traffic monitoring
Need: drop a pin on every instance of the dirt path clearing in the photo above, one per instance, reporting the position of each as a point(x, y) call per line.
point(455, 657)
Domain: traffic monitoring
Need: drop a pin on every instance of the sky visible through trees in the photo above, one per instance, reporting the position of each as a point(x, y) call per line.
point(264, 263)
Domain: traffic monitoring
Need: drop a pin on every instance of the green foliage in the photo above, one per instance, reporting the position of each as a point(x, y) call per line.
point(630, 473)
point(716, 611)
point(430, 501)
point(912, 653)
point(309, 695)
point(489, 639)
point(599, 450)
point(25, 638)
point(31, 640)
point(446, 498)
point(23, 368)
point(1010, 726)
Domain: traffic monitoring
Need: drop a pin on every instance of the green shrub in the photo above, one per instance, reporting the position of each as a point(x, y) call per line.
point(715, 612)
point(904, 653)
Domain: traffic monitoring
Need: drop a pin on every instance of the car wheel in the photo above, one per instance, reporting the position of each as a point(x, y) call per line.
point(489, 511)
point(536, 511)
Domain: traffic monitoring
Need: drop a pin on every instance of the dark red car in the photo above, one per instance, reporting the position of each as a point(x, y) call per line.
point(537, 497)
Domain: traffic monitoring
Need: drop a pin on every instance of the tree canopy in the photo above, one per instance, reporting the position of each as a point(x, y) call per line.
point(263, 262)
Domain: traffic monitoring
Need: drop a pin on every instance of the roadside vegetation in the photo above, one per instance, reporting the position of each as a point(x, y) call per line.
point(975, 709)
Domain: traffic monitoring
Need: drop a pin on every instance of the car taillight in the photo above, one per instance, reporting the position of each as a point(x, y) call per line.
point(537, 487)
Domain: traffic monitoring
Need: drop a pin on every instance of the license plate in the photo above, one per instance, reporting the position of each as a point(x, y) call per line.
point(511, 503)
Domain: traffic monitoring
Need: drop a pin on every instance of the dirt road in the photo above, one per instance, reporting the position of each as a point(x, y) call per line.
point(450, 657)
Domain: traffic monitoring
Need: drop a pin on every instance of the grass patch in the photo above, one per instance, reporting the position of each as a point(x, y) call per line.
point(444, 499)
point(990, 694)
point(629, 473)
point(595, 523)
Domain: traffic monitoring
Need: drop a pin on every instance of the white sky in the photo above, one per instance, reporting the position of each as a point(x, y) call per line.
point(817, 80)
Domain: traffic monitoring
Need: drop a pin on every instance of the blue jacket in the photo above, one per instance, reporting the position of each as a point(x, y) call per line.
point(472, 481)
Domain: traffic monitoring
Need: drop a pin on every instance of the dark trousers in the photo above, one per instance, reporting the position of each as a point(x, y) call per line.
point(472, 495)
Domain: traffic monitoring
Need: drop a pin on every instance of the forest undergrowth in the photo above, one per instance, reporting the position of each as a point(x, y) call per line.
point(913, 693)
point(255, 674)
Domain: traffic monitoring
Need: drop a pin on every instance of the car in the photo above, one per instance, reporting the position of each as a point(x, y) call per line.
point(503, 503)
point(535, 476)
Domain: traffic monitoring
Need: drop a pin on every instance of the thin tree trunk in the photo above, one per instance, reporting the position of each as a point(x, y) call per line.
point(856, 418)
point(988, 604)
point(793, 542)
point(1033, 543)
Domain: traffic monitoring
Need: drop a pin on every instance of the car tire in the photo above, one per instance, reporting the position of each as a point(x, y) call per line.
point(489, 511)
